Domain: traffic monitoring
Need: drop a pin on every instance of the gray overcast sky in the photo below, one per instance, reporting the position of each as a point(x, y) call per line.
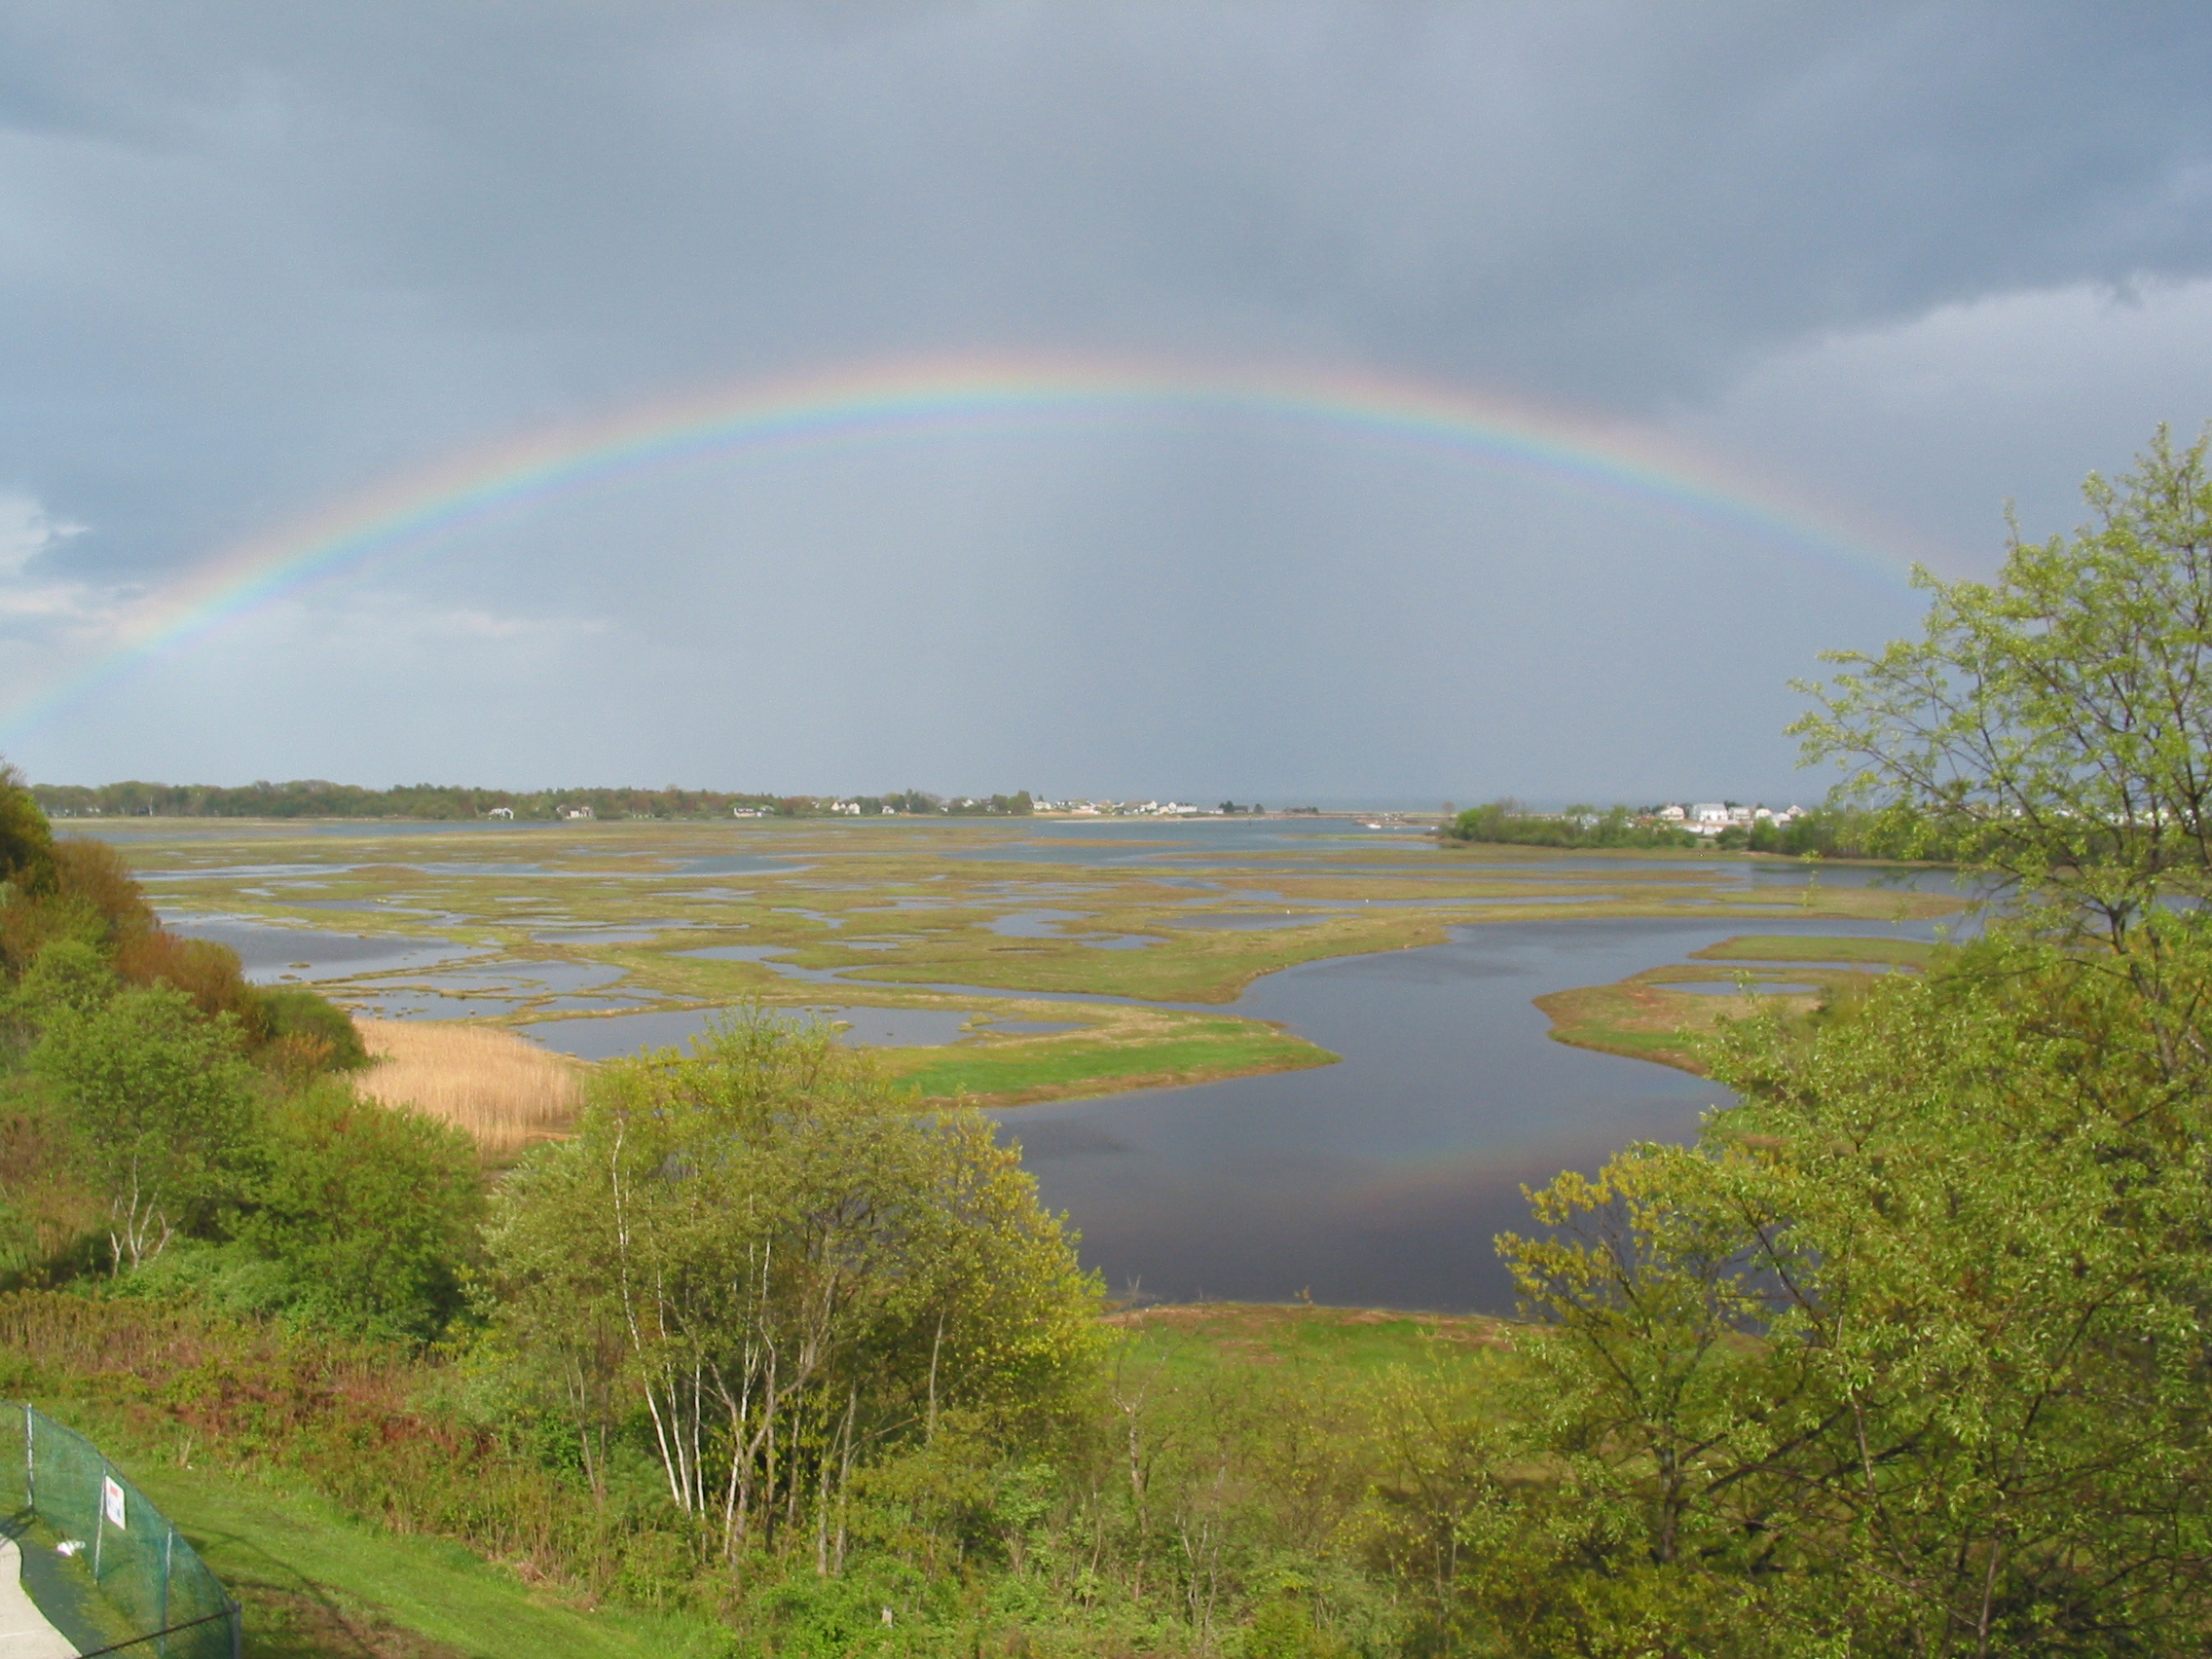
point(1902, 262)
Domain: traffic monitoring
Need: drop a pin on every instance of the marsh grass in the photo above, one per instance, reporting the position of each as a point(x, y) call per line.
point(1145, 1051)
point(1646, 1016)
point(508, 1092)
point(904, 912)
point(1819, 948)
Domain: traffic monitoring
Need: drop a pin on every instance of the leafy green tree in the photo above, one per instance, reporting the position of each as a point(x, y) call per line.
point(1579, 826)
point(1912, 1347)
point(371, 1211)
point(2054, 728)
point(67, 975)
point(26, 844)
point(160, 1102)
point(799, 1271)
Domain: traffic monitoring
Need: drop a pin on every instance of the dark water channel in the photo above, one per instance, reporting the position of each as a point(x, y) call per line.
point(1378, 1181)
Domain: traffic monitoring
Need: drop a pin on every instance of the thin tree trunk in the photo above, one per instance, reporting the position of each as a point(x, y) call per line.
point(937, 1345)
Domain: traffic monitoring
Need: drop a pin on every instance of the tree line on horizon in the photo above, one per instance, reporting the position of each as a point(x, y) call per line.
point(314, 798)
point(1832, 832)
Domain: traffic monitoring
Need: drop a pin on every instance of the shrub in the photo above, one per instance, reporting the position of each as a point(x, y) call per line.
point(159, 1103)
point(306, 1031)
point(368, 1210)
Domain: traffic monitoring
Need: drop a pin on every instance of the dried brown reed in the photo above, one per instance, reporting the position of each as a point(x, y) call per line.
point(508, 1092)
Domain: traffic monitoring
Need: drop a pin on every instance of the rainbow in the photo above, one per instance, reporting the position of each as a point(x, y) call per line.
point(529, 474)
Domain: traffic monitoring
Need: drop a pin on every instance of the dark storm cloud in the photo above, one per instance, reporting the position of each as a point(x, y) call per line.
point(255, 256)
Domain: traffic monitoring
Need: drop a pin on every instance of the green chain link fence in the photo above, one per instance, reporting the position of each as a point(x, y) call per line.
point(150, 1592)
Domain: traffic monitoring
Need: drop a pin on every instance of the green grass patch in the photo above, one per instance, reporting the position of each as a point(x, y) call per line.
point(1637, 1021)
point(1645, 1018)
point(1188, 1049)
point(1797, 947)
point(1356, 1343)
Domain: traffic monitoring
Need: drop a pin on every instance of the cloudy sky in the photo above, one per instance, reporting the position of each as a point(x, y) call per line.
point(1894, 265)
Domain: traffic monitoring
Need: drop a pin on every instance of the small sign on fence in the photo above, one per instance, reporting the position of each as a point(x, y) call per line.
point(111, 1501)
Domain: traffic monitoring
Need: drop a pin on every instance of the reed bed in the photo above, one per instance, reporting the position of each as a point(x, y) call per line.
point(508, 1092)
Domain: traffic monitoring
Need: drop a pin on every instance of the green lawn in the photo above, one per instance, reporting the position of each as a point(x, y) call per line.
point(316, 1584)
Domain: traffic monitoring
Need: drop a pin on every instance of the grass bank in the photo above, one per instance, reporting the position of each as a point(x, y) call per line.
point(1136, 1052)
point(318, 1583)
point(1647, 1017)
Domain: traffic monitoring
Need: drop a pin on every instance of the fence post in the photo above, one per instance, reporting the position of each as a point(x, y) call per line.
point(30, 1460)
point(99, 1519)
point(161, 1624)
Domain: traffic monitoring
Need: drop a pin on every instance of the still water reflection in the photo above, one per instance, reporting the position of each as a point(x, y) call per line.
point(1381, 1180)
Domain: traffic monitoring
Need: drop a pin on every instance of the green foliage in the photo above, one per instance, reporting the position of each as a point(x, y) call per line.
point(320, 1580)
point(370, 1212)
point(1825, 833)
point(1909, 1348)
point(1205, 1498)
point(67, 975)
point(2052, 727)
point(1835, 832)
point(358, 1219)
point(158, 1100)
point(1509, 823)
point(790, 1271)
point(26, 844)
point(315, 1033)
point(89, 929)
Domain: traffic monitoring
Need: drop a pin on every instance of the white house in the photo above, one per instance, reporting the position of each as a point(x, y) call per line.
point(1672, 814)
point(500, 812)
point(1709, 812)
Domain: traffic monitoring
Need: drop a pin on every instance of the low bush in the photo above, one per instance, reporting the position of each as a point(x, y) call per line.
point(307, 1031)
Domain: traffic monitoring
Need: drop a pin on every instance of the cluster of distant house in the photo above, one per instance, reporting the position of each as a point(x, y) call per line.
point(1713, 817)
point(837, 809)
point(873, 807)
point(571, 814)
point(1129, 808)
